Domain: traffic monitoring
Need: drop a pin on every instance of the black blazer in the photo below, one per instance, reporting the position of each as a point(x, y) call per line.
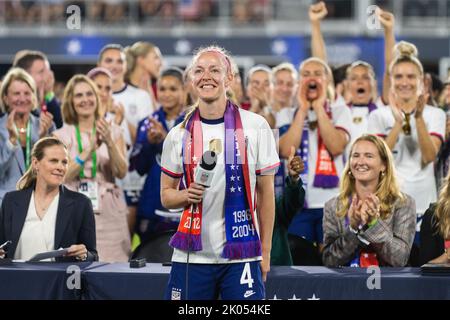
point(431, 242)
point(75, 223)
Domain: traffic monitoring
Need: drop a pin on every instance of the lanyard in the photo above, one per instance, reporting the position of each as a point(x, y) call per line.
point(80, 150)
point(27, 144)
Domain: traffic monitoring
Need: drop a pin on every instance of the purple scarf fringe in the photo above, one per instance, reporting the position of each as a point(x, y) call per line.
point(242, 250)
point(184, 241)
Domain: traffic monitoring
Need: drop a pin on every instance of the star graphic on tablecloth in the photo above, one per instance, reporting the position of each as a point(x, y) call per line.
point(314, 297)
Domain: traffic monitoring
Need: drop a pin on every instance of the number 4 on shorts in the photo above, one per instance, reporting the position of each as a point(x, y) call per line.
point(246, 277)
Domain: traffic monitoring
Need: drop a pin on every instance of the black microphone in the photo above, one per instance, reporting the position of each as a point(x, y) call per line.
point(205, 170)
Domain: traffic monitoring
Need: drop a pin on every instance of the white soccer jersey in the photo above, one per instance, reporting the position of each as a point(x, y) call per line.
point(316, 197)
point(360, 124)
point(262, 157)
point(138, 105)
point(414, 179)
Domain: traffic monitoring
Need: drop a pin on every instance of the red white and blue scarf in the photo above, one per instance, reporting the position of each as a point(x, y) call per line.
point(241, 234)
point(325, 175)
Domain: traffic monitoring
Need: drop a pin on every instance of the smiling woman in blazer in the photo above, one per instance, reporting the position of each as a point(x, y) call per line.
point(43, 215)
point(19, 127)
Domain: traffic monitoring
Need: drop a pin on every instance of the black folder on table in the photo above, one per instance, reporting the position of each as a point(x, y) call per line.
point(48, 255)
point(436, 269)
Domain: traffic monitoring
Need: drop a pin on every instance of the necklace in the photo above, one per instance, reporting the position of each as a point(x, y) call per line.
point(22, 130)
point(42, 209)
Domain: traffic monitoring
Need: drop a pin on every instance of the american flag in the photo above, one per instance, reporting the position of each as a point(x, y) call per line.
point(189, 8)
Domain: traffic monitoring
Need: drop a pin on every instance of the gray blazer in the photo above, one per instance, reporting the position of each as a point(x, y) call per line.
point(391, 239)
point(12, 160)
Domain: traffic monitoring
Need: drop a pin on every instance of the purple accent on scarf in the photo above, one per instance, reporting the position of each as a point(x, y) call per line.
point(320, 180)
point(181, 240)
point(186, 241)
point(326, 182)
point(243, 246)
point(242, 237)
point(242, 250)
point(371, 106)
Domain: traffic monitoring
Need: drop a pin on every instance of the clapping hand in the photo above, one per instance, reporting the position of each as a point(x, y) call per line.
point(354, 213)
point(370, 209)
point(421, 102)
point(104, 132)
point(119, 112)
point(45, 123)
point(11, 127)
point(363, 212)
point(396, 112)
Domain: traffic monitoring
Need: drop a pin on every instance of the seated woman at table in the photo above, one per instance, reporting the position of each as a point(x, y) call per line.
point(435, 229)
point(370, 222)
point(43, 215)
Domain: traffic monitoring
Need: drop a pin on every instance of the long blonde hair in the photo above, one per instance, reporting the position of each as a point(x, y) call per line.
point(133, 52)
point(67, 109)
point(38, 152)
point(225, 56)
point(442, 211)
point(388, 190)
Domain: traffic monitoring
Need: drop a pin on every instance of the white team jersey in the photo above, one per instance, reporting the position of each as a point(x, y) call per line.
point(283, 120)
point(415, 180)
point(138, 105)
point(360, 124)
point(316, 197)
point(284, 117)
point(262, 157)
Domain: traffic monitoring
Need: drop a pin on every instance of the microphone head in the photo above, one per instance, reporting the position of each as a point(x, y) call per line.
point(209, 160)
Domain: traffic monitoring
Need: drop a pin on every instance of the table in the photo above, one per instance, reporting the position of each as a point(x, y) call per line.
point(118, 281)
point(42, 280)
point(309, 283)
